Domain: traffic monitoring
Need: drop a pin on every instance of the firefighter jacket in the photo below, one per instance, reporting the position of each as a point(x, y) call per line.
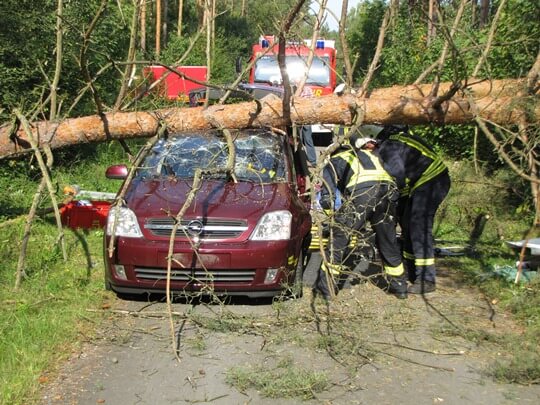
point(410, 161)
point(349, 171)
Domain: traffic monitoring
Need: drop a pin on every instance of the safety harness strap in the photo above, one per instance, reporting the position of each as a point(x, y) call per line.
point(433, 170)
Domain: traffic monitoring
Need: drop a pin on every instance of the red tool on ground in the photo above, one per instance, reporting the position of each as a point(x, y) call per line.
point(85, 209)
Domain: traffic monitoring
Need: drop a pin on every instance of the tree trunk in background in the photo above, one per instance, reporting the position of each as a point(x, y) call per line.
point(208, 22)
point(343, 41)
point(499, 102)
point(143, 26)
point(59, 54)
point(431, 21)
point(484, 12)
point(201, 6)
point(158, 27)
point(180, 11)
point(164, 27)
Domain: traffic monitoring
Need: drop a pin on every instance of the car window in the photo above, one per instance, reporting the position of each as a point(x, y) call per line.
point(259, 156)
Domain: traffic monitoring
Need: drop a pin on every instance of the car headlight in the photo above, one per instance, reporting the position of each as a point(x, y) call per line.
point(126, 223)
point(273, 226)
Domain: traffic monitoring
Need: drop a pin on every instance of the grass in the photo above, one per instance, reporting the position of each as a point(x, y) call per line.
point(47, 318)
point(282, 381)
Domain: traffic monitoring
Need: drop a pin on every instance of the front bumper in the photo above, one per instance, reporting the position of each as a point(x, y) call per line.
point(245, 268)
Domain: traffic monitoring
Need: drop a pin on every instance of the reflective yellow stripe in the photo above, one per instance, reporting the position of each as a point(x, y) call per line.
point(394, 271)
point(342, 130)
point(408, 255)
point(362, 175)
point(331, 268)
point(291, 260)
point(316, 242)
point(424, 262)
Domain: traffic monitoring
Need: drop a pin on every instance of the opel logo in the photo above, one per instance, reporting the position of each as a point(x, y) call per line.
point(195, 228)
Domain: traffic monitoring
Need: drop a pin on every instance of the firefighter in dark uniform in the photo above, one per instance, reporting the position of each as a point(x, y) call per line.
point(423, 182)
point(368, 194)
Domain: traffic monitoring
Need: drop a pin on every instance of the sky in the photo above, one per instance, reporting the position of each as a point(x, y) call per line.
point(335, 6)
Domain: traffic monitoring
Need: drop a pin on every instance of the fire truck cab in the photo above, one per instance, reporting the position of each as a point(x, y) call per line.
point(320, 75)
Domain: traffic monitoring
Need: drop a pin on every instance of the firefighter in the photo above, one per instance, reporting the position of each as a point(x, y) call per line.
point(423, 182)
point(368, 194)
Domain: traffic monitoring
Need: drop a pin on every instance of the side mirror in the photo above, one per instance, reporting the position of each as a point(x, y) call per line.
point(117, 172)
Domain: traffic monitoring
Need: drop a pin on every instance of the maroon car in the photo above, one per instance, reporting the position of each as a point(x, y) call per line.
point(245, 233)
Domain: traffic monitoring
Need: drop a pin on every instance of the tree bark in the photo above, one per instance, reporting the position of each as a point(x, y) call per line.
point(180, 15)
point(484, 12)
point(500, 102)
point(143, 26)
point(158, 28)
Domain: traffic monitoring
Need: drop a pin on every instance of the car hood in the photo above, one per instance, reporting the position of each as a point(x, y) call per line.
point(247, 200)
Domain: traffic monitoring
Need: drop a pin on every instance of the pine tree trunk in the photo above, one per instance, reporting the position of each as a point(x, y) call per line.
point(497, 101)
point(158, 27)
point(143, 26)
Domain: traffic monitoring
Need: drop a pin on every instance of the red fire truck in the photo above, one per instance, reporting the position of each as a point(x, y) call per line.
point(176, 87)
point(321, 77)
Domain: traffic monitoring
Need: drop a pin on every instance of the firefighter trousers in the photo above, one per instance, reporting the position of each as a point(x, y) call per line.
point(417, 214)
point(376, 204)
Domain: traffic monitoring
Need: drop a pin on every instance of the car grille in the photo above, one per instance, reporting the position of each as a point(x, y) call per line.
point(196, 275)
point(208, 228)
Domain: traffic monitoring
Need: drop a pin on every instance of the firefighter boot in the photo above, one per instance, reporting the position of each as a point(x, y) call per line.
point(422, 286)
point(397, 285)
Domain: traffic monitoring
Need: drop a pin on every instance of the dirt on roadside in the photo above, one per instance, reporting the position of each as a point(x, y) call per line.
point(366, 347)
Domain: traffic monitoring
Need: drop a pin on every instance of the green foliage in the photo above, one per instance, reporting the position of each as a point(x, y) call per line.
point(27, 51)
point(109, 42)
point(406, 53)
point(517, 40)
point(363, 31)
point(22, 22)
point(461, 142)
point(477, 192)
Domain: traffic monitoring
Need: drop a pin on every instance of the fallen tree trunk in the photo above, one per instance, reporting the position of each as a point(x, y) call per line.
point(499, 102)
point(477, 88)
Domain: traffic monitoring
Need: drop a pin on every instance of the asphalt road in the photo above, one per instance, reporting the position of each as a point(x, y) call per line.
point(132, 361)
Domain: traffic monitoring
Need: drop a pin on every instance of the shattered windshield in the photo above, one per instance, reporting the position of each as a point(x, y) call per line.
point(267, 70)
point(259, 157)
